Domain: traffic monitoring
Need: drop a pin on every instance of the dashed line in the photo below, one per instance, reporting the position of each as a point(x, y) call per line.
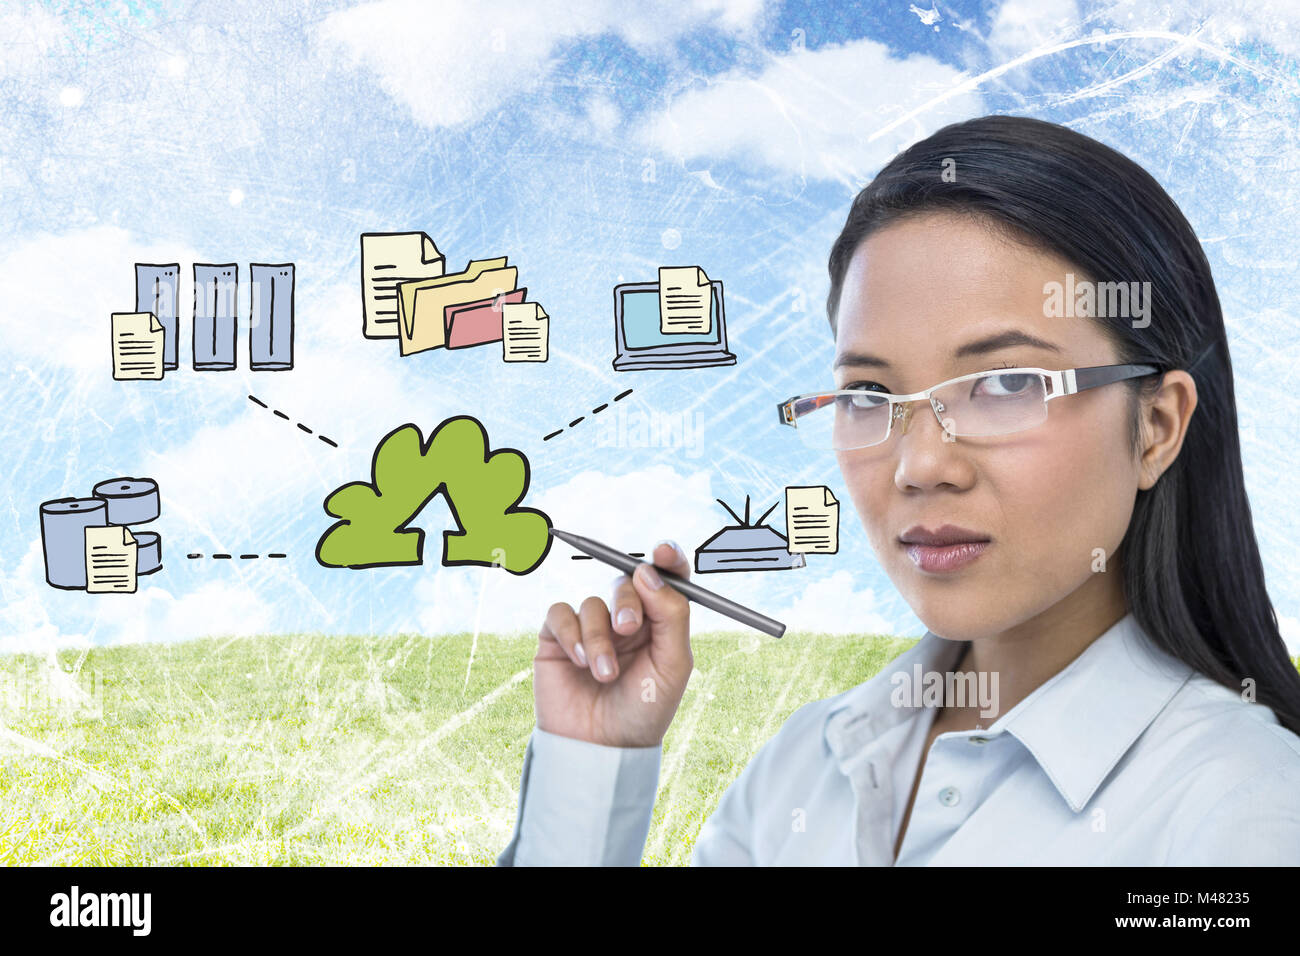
point(595, 411)
point(243, 557)
point(301, 426)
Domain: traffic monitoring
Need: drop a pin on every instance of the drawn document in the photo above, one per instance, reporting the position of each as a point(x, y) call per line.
point(812, 520)
point(685, 298)
point(422, 304)
point(138, 342)
point(110, 559)
point(524, 331)
point(388, 258)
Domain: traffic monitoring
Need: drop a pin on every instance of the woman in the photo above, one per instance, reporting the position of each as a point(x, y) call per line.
point(1074, 524)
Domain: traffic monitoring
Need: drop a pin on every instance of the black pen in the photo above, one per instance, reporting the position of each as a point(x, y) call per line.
point(715, 602)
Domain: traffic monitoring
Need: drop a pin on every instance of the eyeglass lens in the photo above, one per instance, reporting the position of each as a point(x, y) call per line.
point(993, 404)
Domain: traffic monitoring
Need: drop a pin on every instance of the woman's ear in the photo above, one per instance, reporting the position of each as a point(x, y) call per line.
point(1165, 417)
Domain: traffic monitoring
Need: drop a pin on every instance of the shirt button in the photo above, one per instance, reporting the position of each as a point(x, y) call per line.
point(978, 740)
point(949, 796)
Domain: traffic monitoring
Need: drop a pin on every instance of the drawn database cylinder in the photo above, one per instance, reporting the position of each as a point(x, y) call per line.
point(157, 290)
point(63, 537)
point(216, 291)
point(129, 500)
point(270, 327)
point(148, 554)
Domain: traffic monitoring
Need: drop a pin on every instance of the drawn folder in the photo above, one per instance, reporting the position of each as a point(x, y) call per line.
point(421, 305)
point(476, 323)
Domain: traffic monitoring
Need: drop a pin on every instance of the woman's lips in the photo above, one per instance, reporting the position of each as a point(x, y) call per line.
point(948, 557)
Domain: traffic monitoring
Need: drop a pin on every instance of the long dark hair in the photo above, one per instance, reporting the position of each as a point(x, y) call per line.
point(1190, 563)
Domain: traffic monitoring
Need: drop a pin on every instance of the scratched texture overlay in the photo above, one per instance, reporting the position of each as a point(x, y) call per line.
point(269, 709)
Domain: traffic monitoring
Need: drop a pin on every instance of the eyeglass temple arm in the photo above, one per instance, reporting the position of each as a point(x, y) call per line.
point(786, 410)
point(1097, 375)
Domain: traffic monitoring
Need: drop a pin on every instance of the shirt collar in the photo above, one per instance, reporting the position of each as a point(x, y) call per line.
point(1077, 724)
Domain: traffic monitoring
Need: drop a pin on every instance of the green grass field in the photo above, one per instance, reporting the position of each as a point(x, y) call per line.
point(306, 749)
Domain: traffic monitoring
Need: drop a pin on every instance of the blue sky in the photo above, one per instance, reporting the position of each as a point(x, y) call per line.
point(590, 142)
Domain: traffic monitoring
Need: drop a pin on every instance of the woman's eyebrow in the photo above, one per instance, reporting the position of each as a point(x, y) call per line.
point(1003, 340)
point(990, 343)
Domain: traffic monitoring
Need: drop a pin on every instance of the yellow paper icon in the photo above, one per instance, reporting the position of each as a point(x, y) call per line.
point(138, 339)
point(685, 301)
point(421, 304)
point(525, 329)
point(389, 258)
point(812, 520)
point(110, 559)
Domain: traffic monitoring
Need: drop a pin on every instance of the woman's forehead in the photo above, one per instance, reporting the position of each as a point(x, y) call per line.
point(932, 284)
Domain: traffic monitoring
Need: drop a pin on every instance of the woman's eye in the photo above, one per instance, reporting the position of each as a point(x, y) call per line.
point(870, 397)
point(1002, 386)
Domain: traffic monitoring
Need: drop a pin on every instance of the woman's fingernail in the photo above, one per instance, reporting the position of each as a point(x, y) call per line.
point(580, 653)
point(651, 577)
point(626, 616)
point(604, 666)
point(676, 548)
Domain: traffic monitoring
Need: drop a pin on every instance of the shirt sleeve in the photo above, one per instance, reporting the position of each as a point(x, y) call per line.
point(582, 804)
point(1256, 823)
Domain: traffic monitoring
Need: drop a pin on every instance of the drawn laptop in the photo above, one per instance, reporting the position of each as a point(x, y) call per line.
point(642, 345)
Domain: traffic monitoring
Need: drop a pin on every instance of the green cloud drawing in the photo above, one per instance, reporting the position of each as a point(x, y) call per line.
point(483, 490)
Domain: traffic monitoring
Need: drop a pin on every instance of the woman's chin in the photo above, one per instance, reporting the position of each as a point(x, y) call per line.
point(958, 614)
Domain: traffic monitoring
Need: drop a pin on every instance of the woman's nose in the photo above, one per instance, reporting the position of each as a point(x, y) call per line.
point(922, 461)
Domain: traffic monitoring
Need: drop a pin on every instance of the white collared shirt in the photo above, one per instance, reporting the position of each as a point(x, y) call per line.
point(1126, 757)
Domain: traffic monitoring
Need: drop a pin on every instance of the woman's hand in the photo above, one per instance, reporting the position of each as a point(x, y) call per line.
point(616, 677)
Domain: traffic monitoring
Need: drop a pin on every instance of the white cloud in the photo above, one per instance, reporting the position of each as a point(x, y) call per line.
point(810, 113)
point(35, 617)
point(60, 289)
point(1022, 25)
point(154, 614)
point(25, 624)
point(456, 61)
point(831, 604)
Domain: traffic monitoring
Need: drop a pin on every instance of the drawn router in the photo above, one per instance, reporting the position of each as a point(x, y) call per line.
point(746, 547)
